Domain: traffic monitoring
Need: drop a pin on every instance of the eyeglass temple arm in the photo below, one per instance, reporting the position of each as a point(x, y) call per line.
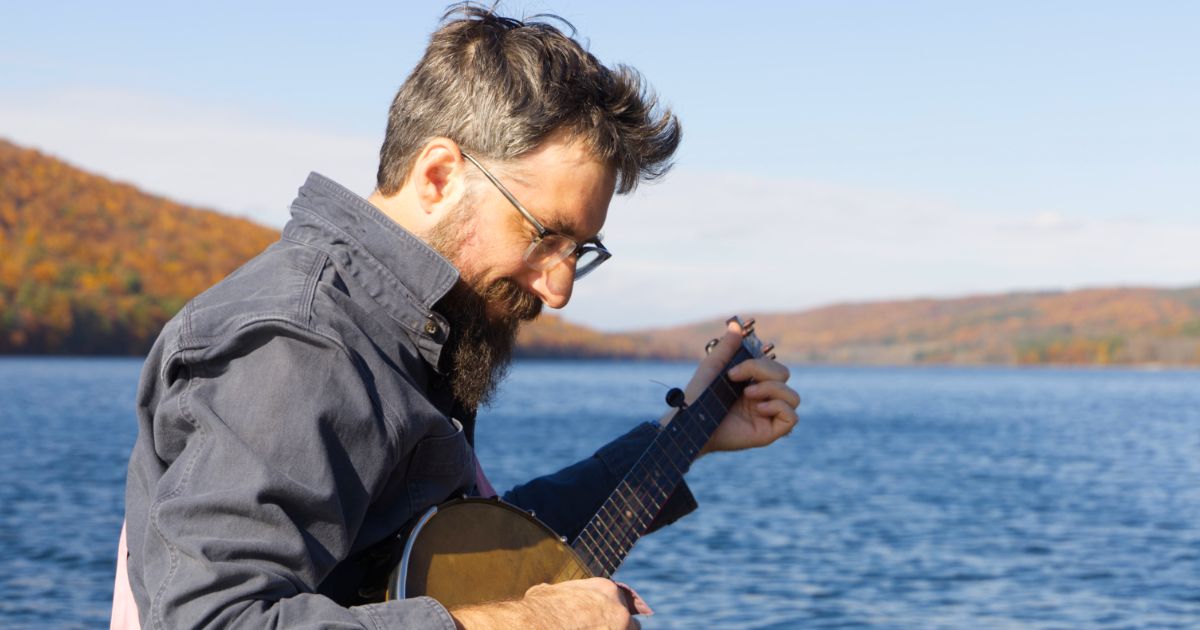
point(507, 195)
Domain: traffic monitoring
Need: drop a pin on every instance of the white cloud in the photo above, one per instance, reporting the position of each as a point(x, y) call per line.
point(701, 245)
point(1043, 222)
point(202, 155)
point(694, 246)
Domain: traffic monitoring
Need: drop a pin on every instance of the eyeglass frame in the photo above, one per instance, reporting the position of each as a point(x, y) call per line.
point(591, 245)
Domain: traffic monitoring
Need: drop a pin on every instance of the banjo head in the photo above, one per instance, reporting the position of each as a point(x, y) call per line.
point(471, 551)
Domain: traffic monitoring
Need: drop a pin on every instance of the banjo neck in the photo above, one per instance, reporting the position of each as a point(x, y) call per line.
point(625, 516)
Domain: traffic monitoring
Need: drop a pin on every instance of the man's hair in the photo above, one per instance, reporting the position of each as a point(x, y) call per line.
point(499, 87)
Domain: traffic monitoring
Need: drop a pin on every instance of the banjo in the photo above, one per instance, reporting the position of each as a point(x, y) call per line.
point(476, 550)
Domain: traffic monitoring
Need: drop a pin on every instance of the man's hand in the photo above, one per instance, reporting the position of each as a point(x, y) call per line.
point(590, 603)
point(765, 412)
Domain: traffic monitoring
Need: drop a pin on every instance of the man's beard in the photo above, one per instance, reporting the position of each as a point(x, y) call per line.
point(480, 344)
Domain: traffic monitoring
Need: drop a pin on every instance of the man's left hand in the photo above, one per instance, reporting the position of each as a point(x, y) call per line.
point(765, 412)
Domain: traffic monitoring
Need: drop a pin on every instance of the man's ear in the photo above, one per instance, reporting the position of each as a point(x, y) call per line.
point(438, 177)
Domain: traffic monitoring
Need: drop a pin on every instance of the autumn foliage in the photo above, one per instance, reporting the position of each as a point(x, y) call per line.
point(88, 266)
point(551, 337)
point(1085, 327)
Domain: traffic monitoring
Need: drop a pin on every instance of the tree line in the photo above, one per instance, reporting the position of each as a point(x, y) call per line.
point(89, 266)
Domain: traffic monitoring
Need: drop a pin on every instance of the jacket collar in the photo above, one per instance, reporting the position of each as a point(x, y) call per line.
point(397, 270)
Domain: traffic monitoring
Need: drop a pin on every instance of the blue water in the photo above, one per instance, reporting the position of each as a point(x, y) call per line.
point(908, 498)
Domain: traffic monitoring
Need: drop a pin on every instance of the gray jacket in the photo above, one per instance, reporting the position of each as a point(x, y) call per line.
point(292, 417)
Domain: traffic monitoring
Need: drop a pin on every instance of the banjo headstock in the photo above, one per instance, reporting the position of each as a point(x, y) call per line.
point(750, 341)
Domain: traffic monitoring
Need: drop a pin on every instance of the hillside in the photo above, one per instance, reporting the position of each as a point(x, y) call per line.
point(551, 337)
point(1092, 326)
point(89, 266)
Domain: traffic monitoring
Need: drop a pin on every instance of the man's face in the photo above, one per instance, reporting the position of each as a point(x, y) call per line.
point(568, 191)
point(565, 188)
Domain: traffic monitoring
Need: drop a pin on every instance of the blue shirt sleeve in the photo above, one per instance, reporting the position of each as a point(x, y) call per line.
point(567, 499)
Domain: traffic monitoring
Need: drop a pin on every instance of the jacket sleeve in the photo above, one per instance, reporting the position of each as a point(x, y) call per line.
point(274, 455)
point(565, 500)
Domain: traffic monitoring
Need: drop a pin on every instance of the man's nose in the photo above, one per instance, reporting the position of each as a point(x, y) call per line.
point(554, 285)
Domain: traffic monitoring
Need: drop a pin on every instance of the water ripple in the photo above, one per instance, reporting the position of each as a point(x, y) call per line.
point(908, 498)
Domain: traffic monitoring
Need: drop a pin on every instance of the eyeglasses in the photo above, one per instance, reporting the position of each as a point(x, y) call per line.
point(549, 247)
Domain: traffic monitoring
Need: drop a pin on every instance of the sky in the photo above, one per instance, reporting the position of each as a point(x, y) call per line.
point(833, 151)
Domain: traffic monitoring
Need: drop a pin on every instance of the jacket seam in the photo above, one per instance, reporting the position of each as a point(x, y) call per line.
point(367, 256)
point(310, 289)
point(156, 510)
point(391, 423)
point(374, 617)
point(439, 611)
point(333, 188)
point(390, 417)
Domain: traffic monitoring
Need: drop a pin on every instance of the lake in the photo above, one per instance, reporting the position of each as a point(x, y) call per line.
point(907, 498)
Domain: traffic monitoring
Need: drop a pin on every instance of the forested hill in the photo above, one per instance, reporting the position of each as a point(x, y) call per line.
point(89, 266)
point(1085, 327)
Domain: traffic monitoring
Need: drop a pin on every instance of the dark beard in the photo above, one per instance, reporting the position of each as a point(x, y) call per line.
point(480, 344)
point(479, 348)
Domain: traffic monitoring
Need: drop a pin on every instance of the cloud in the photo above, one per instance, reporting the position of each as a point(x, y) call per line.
point(1043, 222)
point(694, 246)
point(203, 155)
point(702, 245)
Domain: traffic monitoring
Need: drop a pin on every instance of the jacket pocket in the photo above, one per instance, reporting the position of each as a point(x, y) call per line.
point(441, 466)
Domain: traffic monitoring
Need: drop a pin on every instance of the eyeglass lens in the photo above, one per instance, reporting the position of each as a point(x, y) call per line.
point(552, 249)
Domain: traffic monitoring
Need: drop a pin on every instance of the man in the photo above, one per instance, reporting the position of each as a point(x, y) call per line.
point(295, 416)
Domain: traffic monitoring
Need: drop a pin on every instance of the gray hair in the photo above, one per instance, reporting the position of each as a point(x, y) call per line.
point(499, 87)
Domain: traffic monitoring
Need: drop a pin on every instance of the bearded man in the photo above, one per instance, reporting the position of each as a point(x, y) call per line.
point(296, 415)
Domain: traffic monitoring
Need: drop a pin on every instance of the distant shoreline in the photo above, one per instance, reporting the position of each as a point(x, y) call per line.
point(1134, 367)
point(96, 268)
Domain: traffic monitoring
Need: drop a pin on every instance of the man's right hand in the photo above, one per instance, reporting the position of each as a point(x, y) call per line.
point(590, 603)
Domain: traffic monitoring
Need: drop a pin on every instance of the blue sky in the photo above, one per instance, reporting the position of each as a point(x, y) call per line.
point(833, 151)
